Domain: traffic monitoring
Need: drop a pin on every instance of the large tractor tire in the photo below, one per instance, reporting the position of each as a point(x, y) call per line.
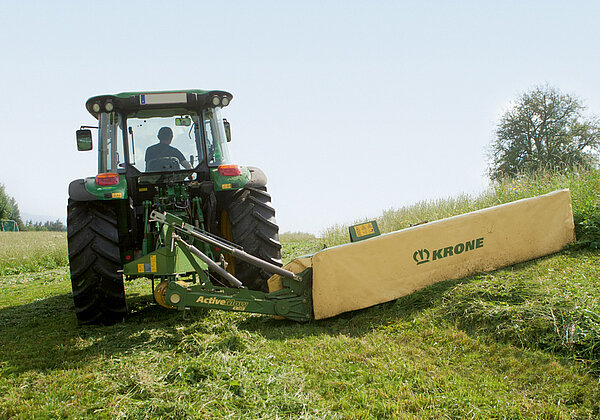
point(248, 219)
point(94, 257)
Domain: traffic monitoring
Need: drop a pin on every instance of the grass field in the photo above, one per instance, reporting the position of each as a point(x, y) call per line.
point(522, 342)
point(22, 252)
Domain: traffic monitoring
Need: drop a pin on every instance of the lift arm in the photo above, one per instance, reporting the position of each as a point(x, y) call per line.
point(226, 247)
point(293, 300)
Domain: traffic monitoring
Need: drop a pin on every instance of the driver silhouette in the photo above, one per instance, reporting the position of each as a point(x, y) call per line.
point(164, 157)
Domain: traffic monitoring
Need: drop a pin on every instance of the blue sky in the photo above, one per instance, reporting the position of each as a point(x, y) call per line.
point(349, 107)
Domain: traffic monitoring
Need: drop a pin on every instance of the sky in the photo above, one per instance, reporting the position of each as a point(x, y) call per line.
point(349, 107)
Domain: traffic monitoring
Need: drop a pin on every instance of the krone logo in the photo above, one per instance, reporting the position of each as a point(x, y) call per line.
point(421, 256)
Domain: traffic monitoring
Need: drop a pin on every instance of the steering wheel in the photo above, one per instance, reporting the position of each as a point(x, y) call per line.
point(162, 164)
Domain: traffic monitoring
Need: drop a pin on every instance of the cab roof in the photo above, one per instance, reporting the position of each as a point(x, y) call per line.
point(156, 100)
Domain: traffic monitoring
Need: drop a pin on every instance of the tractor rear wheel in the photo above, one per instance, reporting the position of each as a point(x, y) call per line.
point(248, 219)
point(95, 261)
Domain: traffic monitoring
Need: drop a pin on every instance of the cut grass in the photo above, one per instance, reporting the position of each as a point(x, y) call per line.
point(443, 352)
point(550, 304)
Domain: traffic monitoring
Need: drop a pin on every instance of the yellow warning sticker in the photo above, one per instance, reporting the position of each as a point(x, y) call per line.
point(153, 264)
point(143, 189)
point(140, 268)
point(364, 229)
point(225, 186)
point(117, 195)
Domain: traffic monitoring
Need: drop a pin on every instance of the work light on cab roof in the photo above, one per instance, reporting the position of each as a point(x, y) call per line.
point(155, 99)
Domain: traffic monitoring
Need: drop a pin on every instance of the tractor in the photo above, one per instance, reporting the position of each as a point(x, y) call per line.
point(165, 153)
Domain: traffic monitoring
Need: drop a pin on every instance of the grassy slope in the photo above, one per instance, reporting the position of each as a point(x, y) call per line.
point(584, 187)
point(516, 343)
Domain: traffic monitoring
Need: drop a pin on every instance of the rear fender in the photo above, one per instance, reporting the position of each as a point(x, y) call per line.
point(257, 178)
point(249, 177)
point(87, 190)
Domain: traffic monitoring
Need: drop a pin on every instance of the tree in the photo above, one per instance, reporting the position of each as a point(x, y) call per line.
point(56, 226)
point(544, 129)
point(8, 208)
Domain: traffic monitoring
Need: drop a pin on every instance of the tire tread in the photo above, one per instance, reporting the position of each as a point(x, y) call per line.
point(95, 262)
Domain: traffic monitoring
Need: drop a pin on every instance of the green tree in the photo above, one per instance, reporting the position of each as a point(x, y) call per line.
point(544, 129)
point(8, 208)
point(56, 226)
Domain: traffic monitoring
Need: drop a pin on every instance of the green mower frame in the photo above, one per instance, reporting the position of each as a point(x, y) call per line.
point(292, 300)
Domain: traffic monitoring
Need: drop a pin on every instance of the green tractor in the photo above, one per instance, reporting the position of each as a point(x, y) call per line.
point(169, 205)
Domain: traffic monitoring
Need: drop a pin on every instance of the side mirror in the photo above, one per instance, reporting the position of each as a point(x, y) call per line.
point(183, 121)
point(227, 129)
point(84, 140)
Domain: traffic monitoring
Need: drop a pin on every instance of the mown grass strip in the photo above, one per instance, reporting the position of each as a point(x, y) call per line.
point(428, 355)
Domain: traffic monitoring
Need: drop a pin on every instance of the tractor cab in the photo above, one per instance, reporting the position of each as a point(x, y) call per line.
point(181, 133)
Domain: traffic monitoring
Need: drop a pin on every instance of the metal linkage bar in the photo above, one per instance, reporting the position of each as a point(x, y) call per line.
point(211, 264)
point(181, 226)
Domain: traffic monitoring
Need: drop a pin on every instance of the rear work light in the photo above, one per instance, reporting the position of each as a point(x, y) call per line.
point(229, 170)
point(107, 179)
